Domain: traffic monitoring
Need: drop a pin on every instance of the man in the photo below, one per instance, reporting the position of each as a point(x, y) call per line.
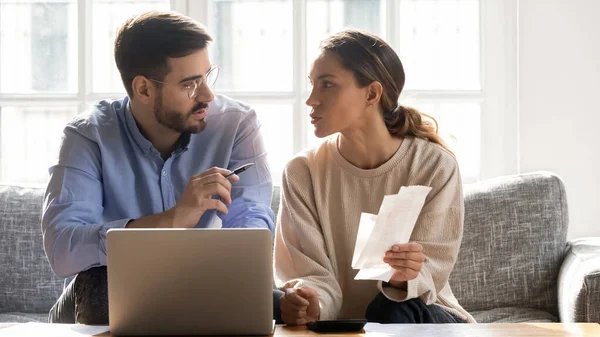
point(157, 158)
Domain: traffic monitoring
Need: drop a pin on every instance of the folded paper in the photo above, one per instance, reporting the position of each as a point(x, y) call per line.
point(378, 233)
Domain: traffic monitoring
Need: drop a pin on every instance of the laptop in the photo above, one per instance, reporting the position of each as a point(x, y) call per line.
point(190, 281)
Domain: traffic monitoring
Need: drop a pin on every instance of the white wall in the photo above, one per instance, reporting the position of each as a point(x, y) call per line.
point(559, 94)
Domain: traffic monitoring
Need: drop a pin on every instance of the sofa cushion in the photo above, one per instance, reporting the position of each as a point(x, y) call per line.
point(276, 199)
point(19, 317)
point(513, 315)
point(514, 241)
point(27, 283)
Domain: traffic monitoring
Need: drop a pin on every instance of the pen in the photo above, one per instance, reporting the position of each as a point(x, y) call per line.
point(240, 169)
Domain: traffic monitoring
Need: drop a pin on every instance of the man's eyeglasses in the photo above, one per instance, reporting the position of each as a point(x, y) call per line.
point(192, 86)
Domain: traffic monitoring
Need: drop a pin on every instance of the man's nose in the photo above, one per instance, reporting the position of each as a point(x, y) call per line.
point(204, 93)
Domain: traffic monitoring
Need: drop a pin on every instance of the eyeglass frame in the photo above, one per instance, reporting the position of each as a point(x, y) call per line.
point(192, 93)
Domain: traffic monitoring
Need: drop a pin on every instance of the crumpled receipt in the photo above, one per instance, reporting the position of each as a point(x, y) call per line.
point(378, 233)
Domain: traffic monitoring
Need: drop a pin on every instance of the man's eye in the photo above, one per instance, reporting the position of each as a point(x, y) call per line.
point(188, 85)
point(327, 84)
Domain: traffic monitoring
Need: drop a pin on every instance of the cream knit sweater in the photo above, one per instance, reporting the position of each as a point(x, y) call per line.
point(322, 198)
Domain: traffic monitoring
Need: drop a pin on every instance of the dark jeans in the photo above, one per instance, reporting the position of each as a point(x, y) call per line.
point(85, 300)
point(383, 310)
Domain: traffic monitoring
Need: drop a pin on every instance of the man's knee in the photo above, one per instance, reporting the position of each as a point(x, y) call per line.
point(63, 311)
point(277, 306)
point(91, 296)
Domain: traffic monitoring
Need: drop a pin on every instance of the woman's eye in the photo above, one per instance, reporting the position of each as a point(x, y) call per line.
point(327, 84)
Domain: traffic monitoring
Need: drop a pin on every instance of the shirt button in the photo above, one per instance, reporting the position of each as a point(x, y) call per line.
point(164, 173)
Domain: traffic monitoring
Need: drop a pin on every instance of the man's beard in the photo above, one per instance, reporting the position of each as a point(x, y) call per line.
point(177, 121)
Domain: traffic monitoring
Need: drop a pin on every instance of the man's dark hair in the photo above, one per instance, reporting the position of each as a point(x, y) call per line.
point(144, 42)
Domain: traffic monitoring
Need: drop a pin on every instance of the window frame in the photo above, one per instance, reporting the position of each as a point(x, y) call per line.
point(84, 96)
point(498, 97)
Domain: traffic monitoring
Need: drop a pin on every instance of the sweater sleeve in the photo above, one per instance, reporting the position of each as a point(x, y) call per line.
point(439, 230)
point(300, 252)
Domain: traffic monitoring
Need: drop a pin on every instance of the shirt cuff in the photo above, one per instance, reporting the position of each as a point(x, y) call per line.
point(400, 295)
point(102, 233)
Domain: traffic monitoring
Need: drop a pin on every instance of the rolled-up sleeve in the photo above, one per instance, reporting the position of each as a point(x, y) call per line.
point(251, 205)
point(439, 230)
point(73, 232)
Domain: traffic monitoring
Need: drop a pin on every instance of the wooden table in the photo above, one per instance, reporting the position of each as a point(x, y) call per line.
point(371, 330)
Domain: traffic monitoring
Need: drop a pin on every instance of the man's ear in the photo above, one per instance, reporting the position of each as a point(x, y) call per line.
point(143, 90)
point(374, 92)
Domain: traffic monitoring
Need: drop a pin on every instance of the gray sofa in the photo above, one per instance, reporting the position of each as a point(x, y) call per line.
point(515, 264)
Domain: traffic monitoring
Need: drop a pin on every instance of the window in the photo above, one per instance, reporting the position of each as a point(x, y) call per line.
point(56, 59)
point(47, 49)
point(266, 61)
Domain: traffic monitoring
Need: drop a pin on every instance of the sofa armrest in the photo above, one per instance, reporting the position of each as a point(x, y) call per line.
point(579, 282)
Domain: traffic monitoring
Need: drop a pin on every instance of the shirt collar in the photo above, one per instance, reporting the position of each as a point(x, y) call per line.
point(184, 141)
point(144, 144)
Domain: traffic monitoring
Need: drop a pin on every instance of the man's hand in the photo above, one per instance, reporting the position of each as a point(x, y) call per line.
point(197, 197)
point(195, 200)
point(407, 259)
point(300, 306)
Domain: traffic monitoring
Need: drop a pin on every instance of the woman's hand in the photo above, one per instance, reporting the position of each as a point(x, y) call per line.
point(300, 306)
point(407, 259)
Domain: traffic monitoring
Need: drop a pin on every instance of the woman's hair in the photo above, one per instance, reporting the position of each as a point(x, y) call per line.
point(371, 59)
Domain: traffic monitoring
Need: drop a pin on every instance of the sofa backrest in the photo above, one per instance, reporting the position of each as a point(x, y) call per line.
point(515, 238)
point(514, 241)
point(513, 245)
point(275, 200)
point(27, 283)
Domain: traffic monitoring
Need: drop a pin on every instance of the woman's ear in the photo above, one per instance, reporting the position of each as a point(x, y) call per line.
point(374, 92)
point(142, 89)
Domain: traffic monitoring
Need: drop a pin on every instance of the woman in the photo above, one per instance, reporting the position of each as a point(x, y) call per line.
point(380, 146)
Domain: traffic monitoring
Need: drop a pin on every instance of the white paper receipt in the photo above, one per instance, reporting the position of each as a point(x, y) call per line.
point(378, 233)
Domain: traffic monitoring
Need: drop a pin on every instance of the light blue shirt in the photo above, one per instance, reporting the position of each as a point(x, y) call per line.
point(108, 173)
